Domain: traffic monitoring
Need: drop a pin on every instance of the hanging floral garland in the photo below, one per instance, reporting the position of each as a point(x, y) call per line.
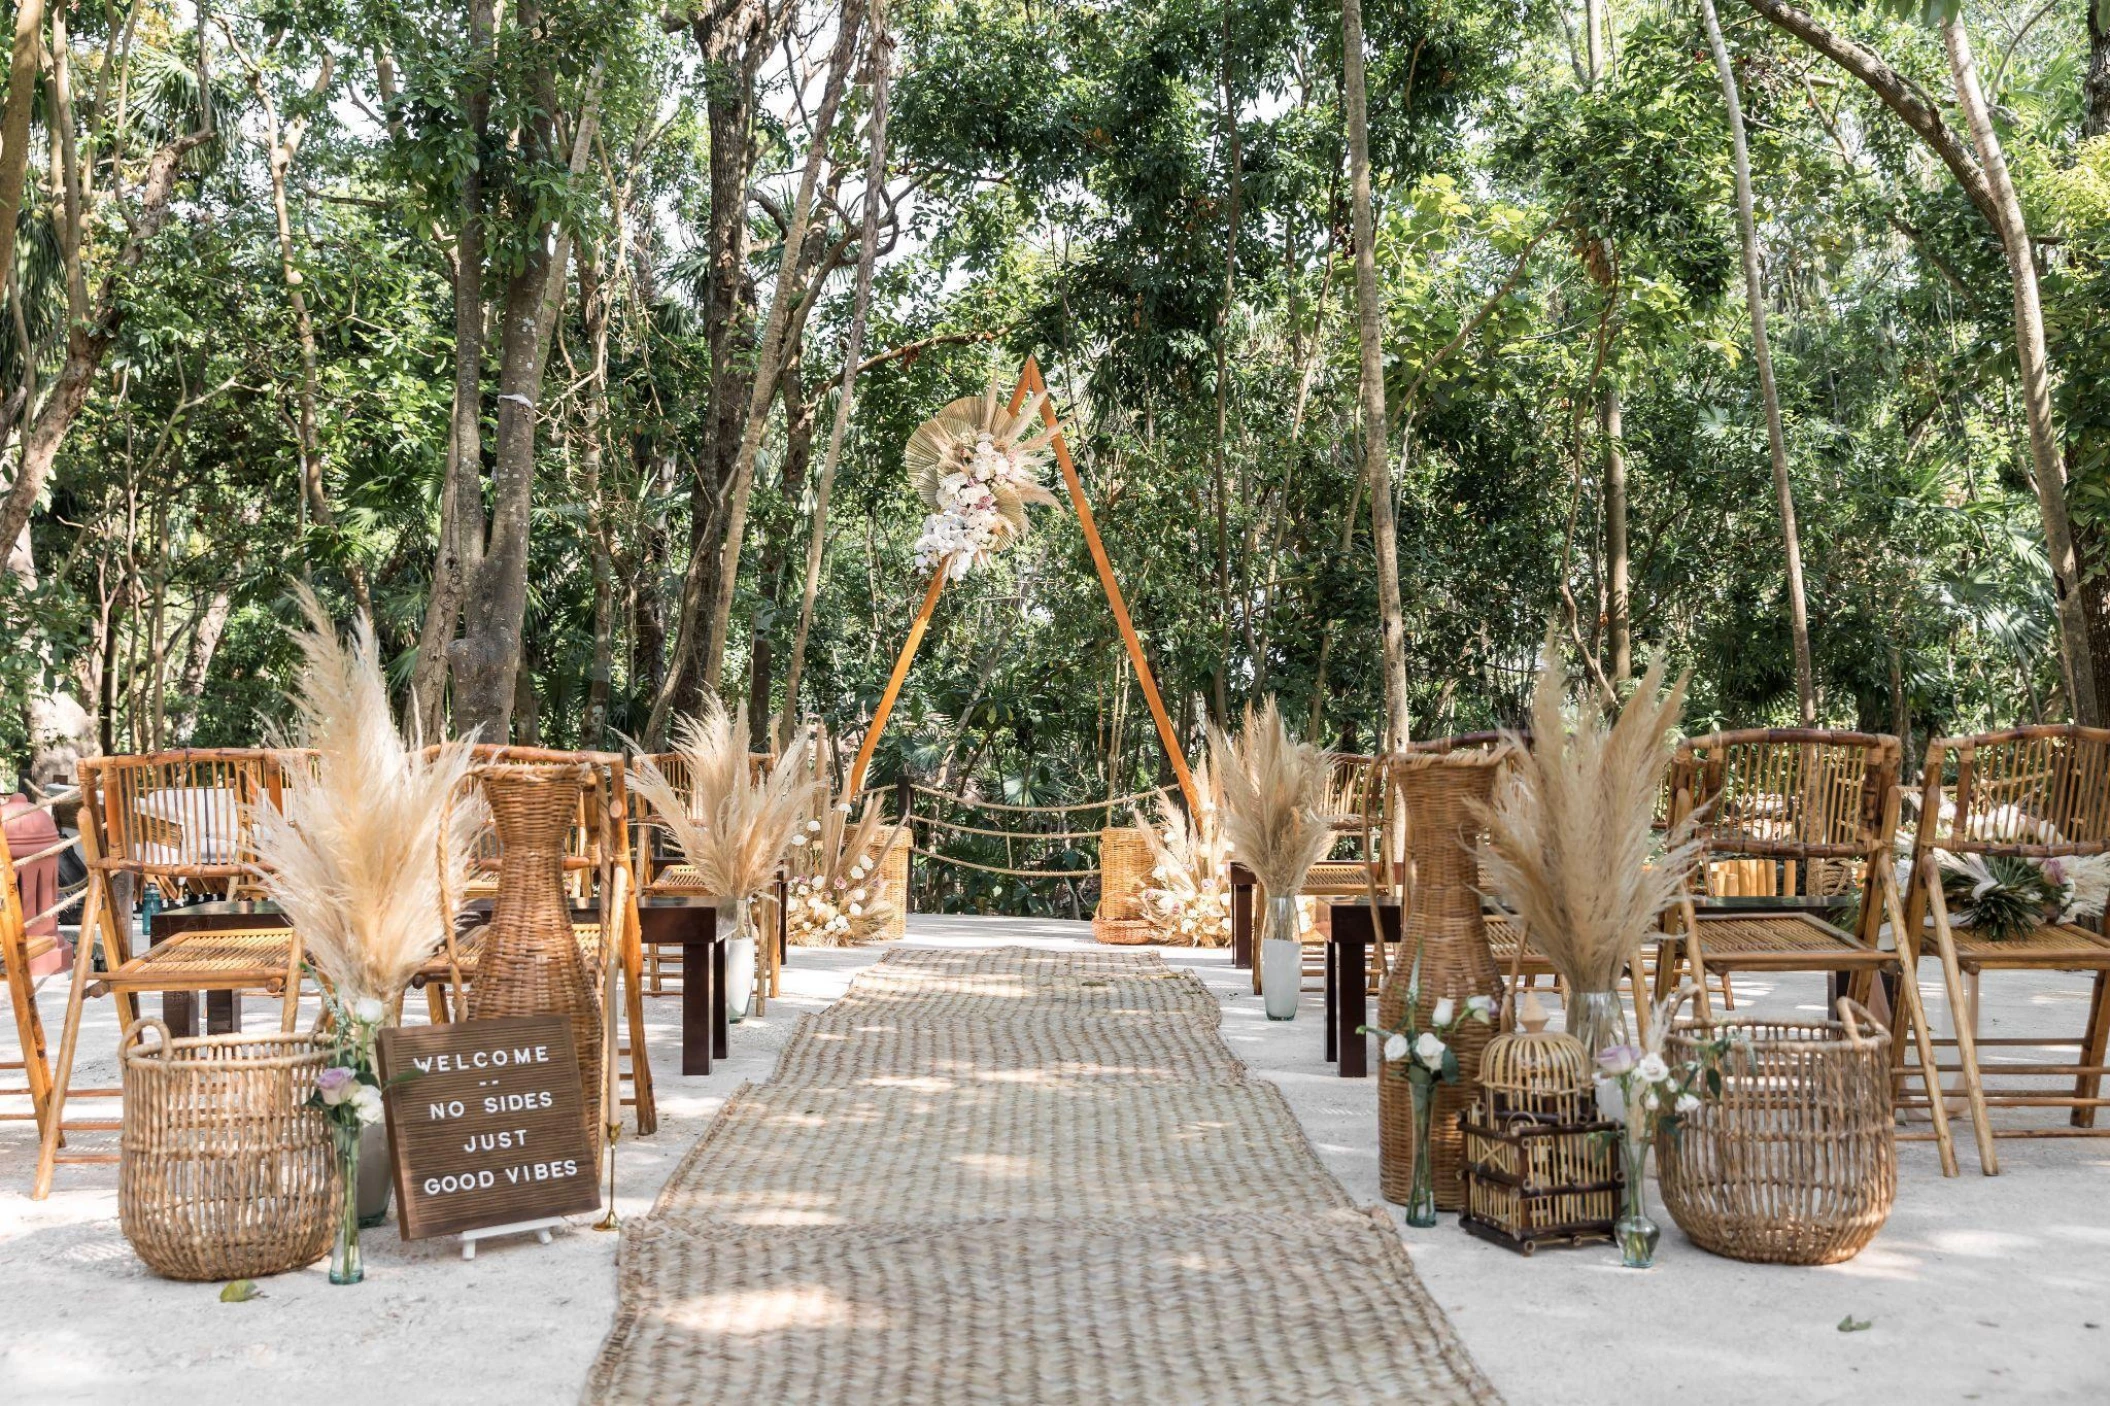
point(977, 466)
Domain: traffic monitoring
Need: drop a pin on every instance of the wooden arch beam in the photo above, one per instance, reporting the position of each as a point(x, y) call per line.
point(1029, 383)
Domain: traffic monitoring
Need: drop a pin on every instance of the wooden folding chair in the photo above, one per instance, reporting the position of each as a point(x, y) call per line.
point(1795, 825)
point(24, 938)
point(2034, 793)
point(661, 872)
point(180, 820)
point(601, 876)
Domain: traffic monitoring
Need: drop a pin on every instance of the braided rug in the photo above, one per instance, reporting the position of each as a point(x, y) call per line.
point(1015, 1175)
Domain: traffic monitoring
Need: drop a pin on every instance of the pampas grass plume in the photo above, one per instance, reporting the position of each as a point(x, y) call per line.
point(373, 831)
point(1274, 799)
point(1570, 842)
point(733, 829)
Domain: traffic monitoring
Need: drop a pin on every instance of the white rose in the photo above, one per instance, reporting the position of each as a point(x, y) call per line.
point(1481, 1006)
point(1652, 1069)
point(368, 1011)
point(1611, 1100)
point(1650, 1102)
point(1688, 1103)
point(366, 1102)
point(1395, 1047)
point(1429, 1050)
point(1445, 1009)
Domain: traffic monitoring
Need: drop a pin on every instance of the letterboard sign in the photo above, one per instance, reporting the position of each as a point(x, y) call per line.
point(486, 1121)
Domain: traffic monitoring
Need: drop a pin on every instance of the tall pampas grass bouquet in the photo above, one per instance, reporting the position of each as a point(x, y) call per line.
point(734, 828)
point(1274, 800)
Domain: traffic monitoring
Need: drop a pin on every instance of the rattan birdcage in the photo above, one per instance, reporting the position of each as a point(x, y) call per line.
point(1539, 1164)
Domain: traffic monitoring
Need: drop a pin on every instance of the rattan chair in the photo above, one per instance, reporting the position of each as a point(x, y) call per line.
point(181, 820)
point(24, 938)
point(599, 868)
point(1793, 824)
point(2033, 793)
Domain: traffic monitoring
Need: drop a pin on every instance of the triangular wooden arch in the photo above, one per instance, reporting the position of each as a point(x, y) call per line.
point(1029, 382)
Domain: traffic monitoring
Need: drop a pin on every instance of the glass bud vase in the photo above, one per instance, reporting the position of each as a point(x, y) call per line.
point(740, 954)
point(1598, 1020)
point(1637, 1233)
point(1421, 1198)
point(345, 1265)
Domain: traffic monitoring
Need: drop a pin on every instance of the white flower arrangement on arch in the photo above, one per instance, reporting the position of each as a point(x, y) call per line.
point(976, 465)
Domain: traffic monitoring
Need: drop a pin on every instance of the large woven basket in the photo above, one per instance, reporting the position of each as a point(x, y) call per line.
point(1124, 871)
point(893, 877)
point(532, 962)
point(224, 1171)
point(1443, 924)
point(1125, 932)
point(1796, 1161)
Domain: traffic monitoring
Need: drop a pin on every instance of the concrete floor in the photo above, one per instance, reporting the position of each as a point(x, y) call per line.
point(1979, 1289)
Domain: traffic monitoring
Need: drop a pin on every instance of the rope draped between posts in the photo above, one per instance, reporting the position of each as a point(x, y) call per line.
point(969, 803)
point(1005, 834)
point(1091, 873)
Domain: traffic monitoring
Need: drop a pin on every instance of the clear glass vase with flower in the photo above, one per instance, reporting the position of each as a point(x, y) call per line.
point(1419, 1051)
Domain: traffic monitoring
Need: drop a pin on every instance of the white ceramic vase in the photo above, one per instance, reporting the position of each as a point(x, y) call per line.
point(739, 959)
point(1281, 960)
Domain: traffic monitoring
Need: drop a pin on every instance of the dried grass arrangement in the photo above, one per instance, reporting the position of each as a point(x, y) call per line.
point(1188, 898)
point(838, 897)
point(1274, 799)
point(733, 829)
point(1570, 844)
point(371, 849)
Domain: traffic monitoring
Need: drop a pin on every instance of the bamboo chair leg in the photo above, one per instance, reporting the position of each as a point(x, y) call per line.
point(1915, 1015)
point(69, 1038)
point(117, 944)
point(1728, 992)
point(29, 1030)
point(2095, 1041)
point(1695, 958)
point(632, 973)
point(436, 1002)
point(1966, 1037)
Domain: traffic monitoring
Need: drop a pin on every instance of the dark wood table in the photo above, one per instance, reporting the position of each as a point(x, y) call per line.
point(223, 1009)
point(1347, 985)
point(690, 922)
point(1242, 885)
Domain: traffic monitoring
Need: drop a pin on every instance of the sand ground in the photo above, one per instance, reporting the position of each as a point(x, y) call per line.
point(1978, 1289)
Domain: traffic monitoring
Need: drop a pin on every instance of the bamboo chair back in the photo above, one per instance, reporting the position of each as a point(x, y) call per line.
point(181, 818)
point(2033, 792)
point(1785, 812)
point(25, 937)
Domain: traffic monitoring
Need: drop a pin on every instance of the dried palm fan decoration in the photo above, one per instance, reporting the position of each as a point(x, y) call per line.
point(1188, 898)
point(371, 848)
point(1570, 844)
point(837, 899)
point(734, 829)
point(976, 466)
point(1274, 799)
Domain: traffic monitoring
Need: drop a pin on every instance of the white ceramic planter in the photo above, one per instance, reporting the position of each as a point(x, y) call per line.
point(1281, 976)
point(739, 977)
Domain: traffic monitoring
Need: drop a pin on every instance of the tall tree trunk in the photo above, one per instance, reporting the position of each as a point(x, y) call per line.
point(798, 457)
point(1762, 355)
point(593, 308)
point(1618, 609)
point(2048, 468)
point(1219, 473)
point(197, 663)
point(14, 121)
point(879, 56)
point(770, 362)
point(1377, 467)
point(461, 496)
point(487, 658)
point(2095, 87)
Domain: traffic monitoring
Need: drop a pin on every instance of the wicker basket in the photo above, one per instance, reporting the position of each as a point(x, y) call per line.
point(893, 878)
point(532, 962)
point(1124, 871)
point(225, 1172)
point(1125, 932)
point(1443, 924)
point(1796, 1161)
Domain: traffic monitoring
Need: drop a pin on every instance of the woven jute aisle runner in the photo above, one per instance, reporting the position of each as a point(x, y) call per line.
point(1013, 1175)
